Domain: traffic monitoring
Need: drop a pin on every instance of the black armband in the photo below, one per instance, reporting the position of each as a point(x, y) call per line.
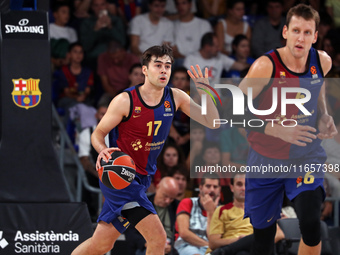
point(247, 120)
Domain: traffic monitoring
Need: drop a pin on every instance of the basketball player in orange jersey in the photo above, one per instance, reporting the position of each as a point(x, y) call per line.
point(140, 119)
point(295, 65)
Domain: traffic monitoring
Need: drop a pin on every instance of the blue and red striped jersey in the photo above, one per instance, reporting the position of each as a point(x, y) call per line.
point(312, 80)
point(143, 133)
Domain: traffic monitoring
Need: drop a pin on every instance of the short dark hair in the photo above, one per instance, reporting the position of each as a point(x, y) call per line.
point(180, 69)
point(237, 39)
point(213, 176)
point(157, 51)
point(275, 1)
point(152, 1)
point(210, 144)
point(57, 5)
point(232, 3)
point(114, 45)
point(233, 177)
point(306, 12)
point(207, 39)
point(137, 65)
point(75, 44)
point(176, 1)
point(181, 171)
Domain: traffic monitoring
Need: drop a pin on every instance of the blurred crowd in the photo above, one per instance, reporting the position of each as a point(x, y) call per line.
point(95, 54)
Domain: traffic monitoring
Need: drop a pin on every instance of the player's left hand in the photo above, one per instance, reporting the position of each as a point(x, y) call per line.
point(198, 77)
point(326, 127)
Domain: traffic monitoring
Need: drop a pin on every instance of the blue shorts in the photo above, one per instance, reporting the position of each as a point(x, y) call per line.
point(264, 196)
point(116, 199)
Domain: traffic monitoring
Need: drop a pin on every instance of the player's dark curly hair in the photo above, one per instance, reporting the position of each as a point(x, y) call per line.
point(157, 51)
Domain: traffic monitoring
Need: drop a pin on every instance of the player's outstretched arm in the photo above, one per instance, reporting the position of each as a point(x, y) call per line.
point(192, 109)
point(326, 124)
point(118, 108)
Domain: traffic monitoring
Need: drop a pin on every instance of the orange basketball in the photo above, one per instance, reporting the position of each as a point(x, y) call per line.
point(119, 172)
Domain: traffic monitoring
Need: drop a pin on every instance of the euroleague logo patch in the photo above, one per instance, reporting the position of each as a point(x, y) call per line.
point(313, 70)
point(167, 106)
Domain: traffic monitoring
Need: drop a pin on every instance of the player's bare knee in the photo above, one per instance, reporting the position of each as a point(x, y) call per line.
point(159, 239)
point(101, 247)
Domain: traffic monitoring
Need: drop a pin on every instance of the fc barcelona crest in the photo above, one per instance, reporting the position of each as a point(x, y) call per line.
point(138, 109)
point(26, 93)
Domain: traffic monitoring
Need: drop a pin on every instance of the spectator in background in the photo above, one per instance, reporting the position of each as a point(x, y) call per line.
point(331, 46)
point(98, 30)
point(197, 139)
point(232, 25)
point(241, 54)
point(128, 9)
point(267, 31)
point(73, 83)
point(188, 31)
point(209, 56)
point(171, 11)
point(88, 156)
point(113, 68)
point(165, 203)
point(136, 75)
point(333, 9)
point(170, 157)
point(179, 130)
point(326, 24)
point(193, 217)
point(227, 225)
point(150, 28)
point(329, 42)
point(287, 4)
point(81, 8)
point(212, 10)
point(332, 146)
point(61, 35)
point(229, 232)
point(180, 174)
point(212, 157)
point(234, 147)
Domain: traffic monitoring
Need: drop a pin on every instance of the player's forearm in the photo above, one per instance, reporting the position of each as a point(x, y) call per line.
point(322, 106)
point(212, 112)
point(98, 140)
point(245, 118)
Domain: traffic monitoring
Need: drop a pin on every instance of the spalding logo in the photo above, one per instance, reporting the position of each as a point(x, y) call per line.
point(22, 28)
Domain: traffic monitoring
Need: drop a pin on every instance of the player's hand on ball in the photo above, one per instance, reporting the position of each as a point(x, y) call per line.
point(105, 154)
point(197, 76)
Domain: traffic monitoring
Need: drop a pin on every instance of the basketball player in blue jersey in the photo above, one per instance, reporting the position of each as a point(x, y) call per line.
point(140, 119)
point(278, 145)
